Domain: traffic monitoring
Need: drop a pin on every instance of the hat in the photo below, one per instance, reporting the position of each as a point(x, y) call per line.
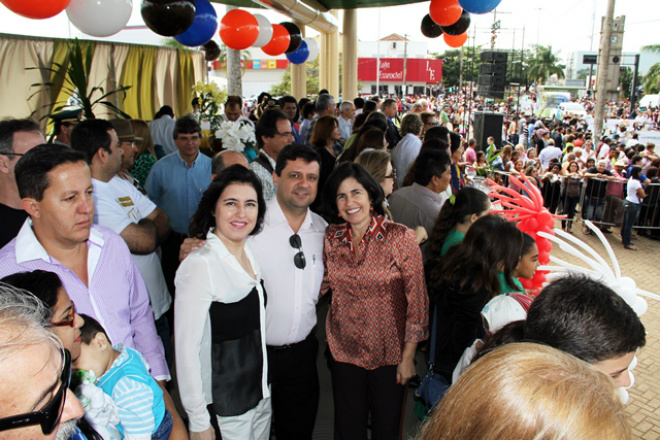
point(621, 163)
point(67, 116)
point(504, 309)
point(124, 130)
point(542, 132)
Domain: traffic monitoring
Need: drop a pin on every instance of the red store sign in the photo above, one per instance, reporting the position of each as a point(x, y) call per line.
point(391, 70)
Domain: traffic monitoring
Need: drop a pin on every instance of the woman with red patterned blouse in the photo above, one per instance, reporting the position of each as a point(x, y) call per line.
point(379, 309)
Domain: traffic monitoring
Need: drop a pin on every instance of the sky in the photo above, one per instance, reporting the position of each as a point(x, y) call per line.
point(566, 25)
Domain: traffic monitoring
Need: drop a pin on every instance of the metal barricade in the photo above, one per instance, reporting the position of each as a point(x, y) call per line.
point(602, 201)
point(648, 223)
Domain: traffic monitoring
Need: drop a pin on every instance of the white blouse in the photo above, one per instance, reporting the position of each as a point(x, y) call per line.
point(210, 273)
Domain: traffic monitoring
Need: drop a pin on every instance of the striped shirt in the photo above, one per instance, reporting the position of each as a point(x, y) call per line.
point(116, 297)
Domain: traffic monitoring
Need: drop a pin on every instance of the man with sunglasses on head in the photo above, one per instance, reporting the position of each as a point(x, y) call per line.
point(273, 133)
point(35, 402)
point(289, 250)
point(17, 136)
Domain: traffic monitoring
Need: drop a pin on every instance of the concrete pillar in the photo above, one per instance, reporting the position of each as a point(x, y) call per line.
point(299, 73)
point(323, 62)
point(349, 83)
point(333, 61)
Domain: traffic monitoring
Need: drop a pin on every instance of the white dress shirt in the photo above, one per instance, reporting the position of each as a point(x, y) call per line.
point(210, 273)
point(292, 292)
point(162, 130)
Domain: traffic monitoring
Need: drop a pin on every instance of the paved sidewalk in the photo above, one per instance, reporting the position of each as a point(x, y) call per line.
point(644, 267)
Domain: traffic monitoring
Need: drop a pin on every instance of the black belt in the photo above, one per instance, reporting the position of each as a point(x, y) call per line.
point(289, 346)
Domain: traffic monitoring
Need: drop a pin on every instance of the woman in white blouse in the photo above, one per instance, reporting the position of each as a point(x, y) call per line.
point(220, 314)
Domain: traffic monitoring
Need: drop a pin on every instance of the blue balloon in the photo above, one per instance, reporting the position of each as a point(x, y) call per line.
point(479, 6)
point(300, 55)
point(203, 28)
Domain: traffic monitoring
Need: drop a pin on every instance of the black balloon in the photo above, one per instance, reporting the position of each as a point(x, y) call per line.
point(460, 26)
point(429, 27)
point(212, 51)
point(168, 17)
point(296, 36)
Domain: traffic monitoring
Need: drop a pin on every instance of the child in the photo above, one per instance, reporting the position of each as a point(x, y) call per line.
point(123, 374)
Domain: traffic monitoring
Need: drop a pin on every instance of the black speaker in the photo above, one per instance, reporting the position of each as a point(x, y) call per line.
point(495, 69)
point(488, 124)
point(494, 57)
point(492, 85)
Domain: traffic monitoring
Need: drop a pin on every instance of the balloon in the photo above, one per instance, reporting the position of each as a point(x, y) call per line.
point(460, 26)
point(168, 17)
point(100, 18)
point(455, 40)
point(203, 27)
point(212, 51)
point(239, 29)
point(296, 36)
point(479, 6)
point(280, 41)
point(313, 47)
point(544, 245)
point(300, 55)
point(429, 28)
point(445, 12)
point(36, 8)
point(265, 31)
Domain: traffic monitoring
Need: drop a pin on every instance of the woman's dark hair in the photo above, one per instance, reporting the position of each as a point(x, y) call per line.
point(342, 172)
point(468, 201)
point(352, 153)
point(437, 132)
point(491, 245)
point(429, 144)
point(372, 138)
point(370, 106)
point(204, 218)
point(455, 140)
point(308, 109)
point(322, 130)
point(359, 122)
point(580, 316)
point(636, 172)
point(42, 284)
point(528, 244)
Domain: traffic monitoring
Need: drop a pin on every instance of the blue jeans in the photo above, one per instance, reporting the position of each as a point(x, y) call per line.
point(629, 219)
point(165, 428)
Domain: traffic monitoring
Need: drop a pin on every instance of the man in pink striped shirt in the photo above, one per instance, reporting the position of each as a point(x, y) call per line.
point(93, 262)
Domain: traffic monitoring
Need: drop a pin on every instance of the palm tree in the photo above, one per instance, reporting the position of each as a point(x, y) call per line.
point(652, 78)
point(544, 64)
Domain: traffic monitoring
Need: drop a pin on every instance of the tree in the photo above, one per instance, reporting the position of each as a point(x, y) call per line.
point(543, 64)
point(652, 78)
point(451, 65)
point(312, 80)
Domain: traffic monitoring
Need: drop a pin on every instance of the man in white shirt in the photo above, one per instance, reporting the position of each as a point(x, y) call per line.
point(119, 206)
point(162, 128)
point(233, 111)
point(347, 110)
point(289, 251)
point(548, 153)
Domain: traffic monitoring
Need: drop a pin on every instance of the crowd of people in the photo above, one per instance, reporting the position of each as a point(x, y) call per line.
point(126, 251)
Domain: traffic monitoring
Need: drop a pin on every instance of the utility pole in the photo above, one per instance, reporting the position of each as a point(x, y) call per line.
point(405, 64)
point(603, 64)
point(633, 92)
point(234, 72)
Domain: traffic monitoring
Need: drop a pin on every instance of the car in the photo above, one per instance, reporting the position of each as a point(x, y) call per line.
point(573, 108)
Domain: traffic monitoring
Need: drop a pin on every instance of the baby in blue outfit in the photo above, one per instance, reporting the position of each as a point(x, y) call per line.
point(123, 374)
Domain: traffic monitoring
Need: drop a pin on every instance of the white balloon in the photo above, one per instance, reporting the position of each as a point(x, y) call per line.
point(313, 47)
point(641, 306)
point(265, 31)
point(100, 18)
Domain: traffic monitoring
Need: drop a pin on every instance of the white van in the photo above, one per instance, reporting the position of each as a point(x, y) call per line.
point(650, 101)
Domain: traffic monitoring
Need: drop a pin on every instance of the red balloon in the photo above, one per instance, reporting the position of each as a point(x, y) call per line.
point(36, 8)
point(455, 40)
point(239, 29)
point(279, 42)
point(544, 245)
point(445, 12)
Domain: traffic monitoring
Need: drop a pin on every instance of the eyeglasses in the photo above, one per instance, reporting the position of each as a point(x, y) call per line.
point(49, 416)
point(392, 176)
point(131, 143)
point(70, 320)
point(299, 258)
point(285, 134)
